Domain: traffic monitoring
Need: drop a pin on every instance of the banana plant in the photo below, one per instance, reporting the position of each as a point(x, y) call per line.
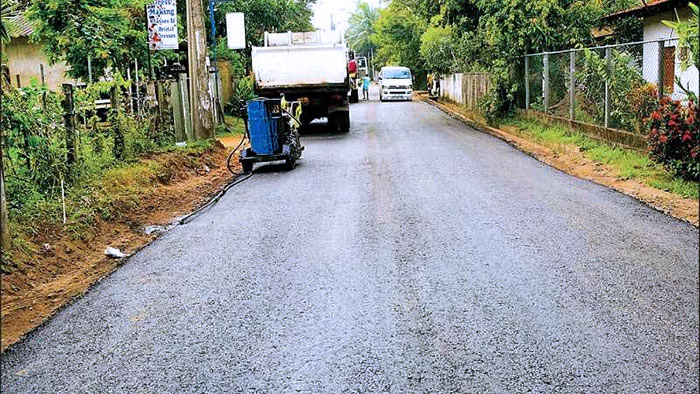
point(688, 36)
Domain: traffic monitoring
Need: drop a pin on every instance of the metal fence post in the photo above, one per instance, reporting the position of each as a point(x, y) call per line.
point(69, 120)
point(43, 87)
point(131, 100)
point(572, 85)
point(115, 100)
point(138, 93)
point(608, 59)
point(545, 82)
point(89, 64)
point(660, 70)
point(185, 106)
point(527, 82)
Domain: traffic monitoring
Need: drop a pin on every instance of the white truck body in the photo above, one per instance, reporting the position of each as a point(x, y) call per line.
point(311, 67)
point(300, 60)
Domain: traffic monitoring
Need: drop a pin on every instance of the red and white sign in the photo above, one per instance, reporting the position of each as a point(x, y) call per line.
point(161, 18)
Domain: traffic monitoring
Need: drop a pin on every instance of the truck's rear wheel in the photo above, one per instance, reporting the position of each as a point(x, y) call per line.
point(340, 121)
point(354, 96)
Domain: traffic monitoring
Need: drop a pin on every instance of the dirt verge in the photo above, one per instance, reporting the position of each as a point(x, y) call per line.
point(572, 161)
point(60, 268)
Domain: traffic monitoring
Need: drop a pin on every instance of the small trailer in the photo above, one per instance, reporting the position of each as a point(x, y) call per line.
point(309, 67)
point(273, 133)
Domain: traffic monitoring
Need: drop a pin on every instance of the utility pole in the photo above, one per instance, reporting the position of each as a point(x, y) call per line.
point(200, 93)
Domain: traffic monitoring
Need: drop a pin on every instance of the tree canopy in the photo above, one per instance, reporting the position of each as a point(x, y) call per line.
point(475, 35)
point(112, 32)
point(362, 28)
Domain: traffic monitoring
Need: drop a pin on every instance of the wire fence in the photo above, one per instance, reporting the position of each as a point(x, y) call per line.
point(613, 86)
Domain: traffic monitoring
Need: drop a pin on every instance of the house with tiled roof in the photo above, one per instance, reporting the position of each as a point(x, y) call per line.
point(23, 57)
point(652, 13)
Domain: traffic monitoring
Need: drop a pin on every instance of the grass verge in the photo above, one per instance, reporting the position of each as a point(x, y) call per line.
point(626, 163)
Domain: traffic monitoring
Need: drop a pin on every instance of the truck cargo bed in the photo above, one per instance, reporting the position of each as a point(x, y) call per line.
point(304, 68)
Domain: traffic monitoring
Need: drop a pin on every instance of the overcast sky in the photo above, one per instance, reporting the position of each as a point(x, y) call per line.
point(340, 9)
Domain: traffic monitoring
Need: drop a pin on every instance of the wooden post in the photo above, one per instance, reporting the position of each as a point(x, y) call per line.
point(69, 120)
point(572, 85)
point(19, 84)
point(5, 238)
point(527, 82)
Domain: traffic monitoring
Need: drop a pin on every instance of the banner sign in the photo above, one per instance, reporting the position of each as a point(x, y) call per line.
point(161, 19)
point(235, 30)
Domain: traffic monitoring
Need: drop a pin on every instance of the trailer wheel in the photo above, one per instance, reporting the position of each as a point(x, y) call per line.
point(339, 121)
point(290, 163)
point(247, 166)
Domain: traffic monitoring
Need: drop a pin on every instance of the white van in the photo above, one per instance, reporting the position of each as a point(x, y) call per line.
point(395, 83)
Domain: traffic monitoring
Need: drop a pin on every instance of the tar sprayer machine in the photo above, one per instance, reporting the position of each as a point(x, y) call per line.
point(299, 77)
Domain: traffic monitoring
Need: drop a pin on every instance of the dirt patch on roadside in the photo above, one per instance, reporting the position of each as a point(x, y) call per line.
point(49, 278)
point(570, 159)
point(230, 141)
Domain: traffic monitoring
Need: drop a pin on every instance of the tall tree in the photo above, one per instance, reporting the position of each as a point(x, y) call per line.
point(362, 27)
point(111, 32)
point(398, 33)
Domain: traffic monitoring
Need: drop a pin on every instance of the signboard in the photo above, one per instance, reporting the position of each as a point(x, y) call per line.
point(161, 20)
point(235, 30)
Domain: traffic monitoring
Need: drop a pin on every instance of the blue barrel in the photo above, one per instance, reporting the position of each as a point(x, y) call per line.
point(265, 125)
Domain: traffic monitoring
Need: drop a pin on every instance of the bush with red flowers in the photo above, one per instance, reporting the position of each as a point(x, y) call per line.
point(674, 137)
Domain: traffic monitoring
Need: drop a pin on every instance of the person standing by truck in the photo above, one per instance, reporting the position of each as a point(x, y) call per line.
point(365, 87)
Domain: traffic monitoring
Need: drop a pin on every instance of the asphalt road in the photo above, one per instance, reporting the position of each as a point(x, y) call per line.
point(411, 255)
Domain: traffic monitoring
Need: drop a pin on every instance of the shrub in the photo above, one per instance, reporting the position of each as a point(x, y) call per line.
point(674, 137)
point(642, 102)
point(625, 81)
point(242, 92)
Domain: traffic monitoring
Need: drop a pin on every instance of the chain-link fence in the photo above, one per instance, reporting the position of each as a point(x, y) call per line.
point(613, 86)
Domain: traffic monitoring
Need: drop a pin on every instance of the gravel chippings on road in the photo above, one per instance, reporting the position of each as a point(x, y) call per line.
point(411, 255)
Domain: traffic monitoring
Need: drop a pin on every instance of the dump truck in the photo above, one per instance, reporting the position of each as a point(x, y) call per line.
point(309, 67)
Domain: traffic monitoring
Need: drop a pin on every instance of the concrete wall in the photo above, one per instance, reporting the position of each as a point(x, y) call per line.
point(465, 88)
point(622, 138)
point(24, 59)
point(654, 30)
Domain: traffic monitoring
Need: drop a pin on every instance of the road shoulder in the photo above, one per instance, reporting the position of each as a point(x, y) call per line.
point(571, 160)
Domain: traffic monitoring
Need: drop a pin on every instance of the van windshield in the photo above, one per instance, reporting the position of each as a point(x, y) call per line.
point(397, 73)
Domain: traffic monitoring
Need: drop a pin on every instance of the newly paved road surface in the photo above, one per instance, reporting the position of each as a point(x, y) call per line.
point(411, 255)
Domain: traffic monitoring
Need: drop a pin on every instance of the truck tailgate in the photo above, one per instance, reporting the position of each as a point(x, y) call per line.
point(312, 66)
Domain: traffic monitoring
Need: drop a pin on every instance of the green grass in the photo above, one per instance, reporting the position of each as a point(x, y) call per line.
point(234, 127)
point(98, 194)
point(628, 164)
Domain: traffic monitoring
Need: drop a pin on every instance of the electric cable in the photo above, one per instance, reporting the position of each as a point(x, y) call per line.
point(231, 184)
